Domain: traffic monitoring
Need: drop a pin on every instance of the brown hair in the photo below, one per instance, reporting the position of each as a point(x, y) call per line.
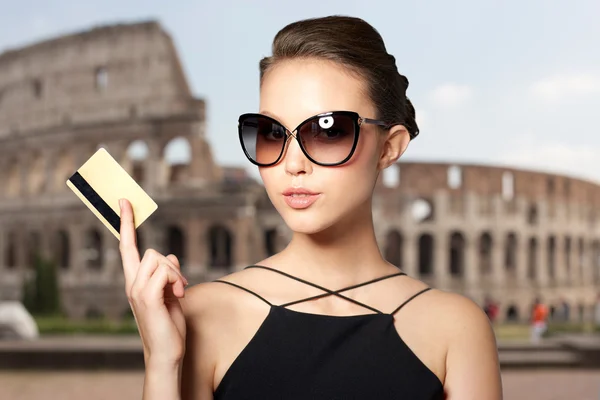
point(356, 45)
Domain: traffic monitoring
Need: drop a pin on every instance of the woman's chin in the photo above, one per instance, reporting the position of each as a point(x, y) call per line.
point(307, 224)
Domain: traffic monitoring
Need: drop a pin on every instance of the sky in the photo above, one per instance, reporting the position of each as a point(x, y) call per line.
point(513, 83)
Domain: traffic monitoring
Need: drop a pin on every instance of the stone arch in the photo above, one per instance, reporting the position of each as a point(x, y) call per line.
point(426, 249)
point(393, 247)
point(567, 254)
point(220, 246)
point(532, 258)
point(551, 257)
point(177, 156)
point(595, 260)
point(94, 249)
point(136, 155)
point(457, 254)
point(62, 249)
point(510, 252)
point(271, 241)
point(485, 253)
point(532, 214)
point(94, 313)
point(581, 256)
point(36, 174)
point(512, 313)
point(37, 88)
point(65, 167)
point(34, 242)
point(176, 243)
point(11, 250)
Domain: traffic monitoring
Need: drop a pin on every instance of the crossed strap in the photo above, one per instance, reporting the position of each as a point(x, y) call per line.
point(328, 292)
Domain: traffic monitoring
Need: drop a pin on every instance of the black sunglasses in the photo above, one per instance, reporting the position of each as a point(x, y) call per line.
point(327, 139)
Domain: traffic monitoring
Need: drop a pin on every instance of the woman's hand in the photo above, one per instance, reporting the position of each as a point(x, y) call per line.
point(154, 286)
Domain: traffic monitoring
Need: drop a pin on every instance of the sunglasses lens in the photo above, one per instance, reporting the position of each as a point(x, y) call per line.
point(328, 139)
point(262, 138)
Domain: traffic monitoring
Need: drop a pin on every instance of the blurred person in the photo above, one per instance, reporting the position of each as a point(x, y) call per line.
point(539, 320)
point(327, 317)
point(565, 310)
point(491, 309)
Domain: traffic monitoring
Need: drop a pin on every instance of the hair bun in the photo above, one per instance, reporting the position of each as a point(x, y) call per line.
point(411, 121)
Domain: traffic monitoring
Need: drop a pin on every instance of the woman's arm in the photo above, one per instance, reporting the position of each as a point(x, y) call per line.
point(197, 368)
point(162, 382)
point(472, 366)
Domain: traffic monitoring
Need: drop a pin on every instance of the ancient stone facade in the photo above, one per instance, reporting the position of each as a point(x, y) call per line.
point(122, 88)
point(510, 234)
point(478, 230)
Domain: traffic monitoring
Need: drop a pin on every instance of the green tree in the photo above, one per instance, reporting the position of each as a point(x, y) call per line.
point(41, 295)
point(29, 295)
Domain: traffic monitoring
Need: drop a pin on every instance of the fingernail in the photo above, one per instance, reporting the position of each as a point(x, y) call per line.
point(121, 203)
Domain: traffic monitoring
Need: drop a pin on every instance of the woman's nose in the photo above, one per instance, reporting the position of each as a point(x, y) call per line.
point(294, 159)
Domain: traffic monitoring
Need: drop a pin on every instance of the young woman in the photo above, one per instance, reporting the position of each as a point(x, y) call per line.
point(328, 317)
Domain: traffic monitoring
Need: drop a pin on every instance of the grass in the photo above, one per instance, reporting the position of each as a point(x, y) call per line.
point(511, 332)
point(62, 325)
point(522, 331)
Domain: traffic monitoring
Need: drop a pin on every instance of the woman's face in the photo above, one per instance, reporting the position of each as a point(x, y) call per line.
point(291, 92)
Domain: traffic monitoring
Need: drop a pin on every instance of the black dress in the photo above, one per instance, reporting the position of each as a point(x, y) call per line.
point(297, 355)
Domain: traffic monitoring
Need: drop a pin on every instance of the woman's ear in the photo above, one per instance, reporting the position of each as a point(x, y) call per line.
point(396, 142)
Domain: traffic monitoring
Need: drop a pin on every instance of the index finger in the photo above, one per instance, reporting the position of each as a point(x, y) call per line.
point(128, 245)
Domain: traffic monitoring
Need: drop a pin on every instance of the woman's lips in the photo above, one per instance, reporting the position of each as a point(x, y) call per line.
point(300, 198)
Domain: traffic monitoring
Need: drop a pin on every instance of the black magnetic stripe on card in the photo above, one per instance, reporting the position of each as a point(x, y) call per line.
point(94, 198)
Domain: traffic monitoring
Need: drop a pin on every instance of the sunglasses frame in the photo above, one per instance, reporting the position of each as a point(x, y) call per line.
point(356, 118)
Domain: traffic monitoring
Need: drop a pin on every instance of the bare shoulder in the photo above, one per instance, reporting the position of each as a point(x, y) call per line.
point(214, 299)
point(463, 323)
point(441, 327)
point(456, 313)
point(472, 369)
point(452, 312)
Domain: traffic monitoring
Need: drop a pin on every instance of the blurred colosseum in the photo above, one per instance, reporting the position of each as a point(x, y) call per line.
point(480, 230)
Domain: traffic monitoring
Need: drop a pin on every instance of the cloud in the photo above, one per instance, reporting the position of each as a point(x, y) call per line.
point(563, 87)
point(531, 152)
point(451, 95)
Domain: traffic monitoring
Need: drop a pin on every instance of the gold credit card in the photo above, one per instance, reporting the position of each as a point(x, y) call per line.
point(101, 182)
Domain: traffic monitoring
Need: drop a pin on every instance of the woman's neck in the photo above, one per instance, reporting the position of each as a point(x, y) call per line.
point(342, 255)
